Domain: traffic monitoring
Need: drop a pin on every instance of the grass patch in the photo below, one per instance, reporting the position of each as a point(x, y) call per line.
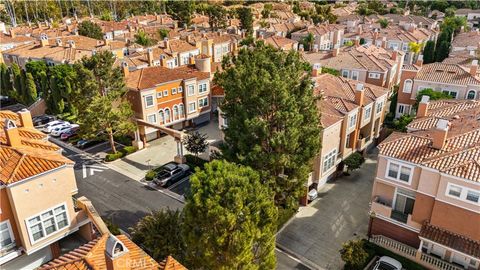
point(284, 214)
point(127, 150)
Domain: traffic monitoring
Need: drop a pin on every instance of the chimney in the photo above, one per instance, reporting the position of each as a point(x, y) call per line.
point(439, 134)
point(203, 64)
point(474, 68)
point(106, 40)
point(43, 40)
point(12, 33)
point(58, 41)
point(166, 43)
point(191, 60)
point(163, 60)
point(359, 94)
point(11, 132)
point(117, 256)
point(422, 110)
point(384, 42)
point(150, 57)
point(336, 51)
point(394, 55)
point(316, 70)
point(419, 60)
point(125, 69)
point(25, 118)
point(71, 43)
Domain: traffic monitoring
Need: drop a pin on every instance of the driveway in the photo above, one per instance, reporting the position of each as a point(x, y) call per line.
point(340, 213)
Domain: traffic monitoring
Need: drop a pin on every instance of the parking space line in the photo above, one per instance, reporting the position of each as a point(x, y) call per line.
point(166, 192)
point(92, 147)
point(178, 183)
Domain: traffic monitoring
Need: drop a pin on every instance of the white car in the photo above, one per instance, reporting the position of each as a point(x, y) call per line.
point(48, 127)
point(387, 263)
point(56, 127)
point(62, 129)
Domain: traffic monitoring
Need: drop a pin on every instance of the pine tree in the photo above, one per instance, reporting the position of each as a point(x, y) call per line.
point(229, 219)
point(17, 82)
point(6, 86)
point(273, 121)
point(90, 29)
point(31, 89)
point(38, 69)
point(429, 52)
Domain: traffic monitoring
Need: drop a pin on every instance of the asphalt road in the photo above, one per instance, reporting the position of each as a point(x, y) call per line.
point(116, 197)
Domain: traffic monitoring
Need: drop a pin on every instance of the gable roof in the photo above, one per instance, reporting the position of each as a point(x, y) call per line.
point(446, 73)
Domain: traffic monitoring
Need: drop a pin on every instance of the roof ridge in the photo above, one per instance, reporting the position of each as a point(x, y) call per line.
point(452, 153)
point(17, 166)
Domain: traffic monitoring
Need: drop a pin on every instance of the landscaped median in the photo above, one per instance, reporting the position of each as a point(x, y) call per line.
point(192, 161)
point(127, 150)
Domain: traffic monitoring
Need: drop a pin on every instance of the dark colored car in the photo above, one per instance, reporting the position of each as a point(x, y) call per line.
point(69, 134)
point(42, 119)
point(171, 173)
point(82, 144)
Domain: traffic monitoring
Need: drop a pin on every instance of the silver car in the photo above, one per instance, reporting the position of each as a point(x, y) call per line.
point(171, 173)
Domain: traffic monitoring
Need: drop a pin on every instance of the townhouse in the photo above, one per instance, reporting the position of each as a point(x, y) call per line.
point(451, 79)
point(12, 40)
point(352, 115)
point(38, 210)
point(367, 63)
point(425, 202)
point(472, 16)
point(214, 44)
point(175, 98)
point(61, 50)
point(282, 43)
point(326, 36)
point(467, 41)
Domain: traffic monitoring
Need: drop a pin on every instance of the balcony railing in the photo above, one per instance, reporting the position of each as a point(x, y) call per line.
point(413, 254)
point(399, 216)
point(8, 248)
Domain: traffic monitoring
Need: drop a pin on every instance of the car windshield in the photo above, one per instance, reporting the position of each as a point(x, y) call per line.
point(386, 266)
point(164, 174)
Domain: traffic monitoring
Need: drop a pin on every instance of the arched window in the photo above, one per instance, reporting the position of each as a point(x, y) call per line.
point(407, 86)
point(471, 94)
point(181, 111)
point(175, 112)
point(167, 115)
point(162, 117)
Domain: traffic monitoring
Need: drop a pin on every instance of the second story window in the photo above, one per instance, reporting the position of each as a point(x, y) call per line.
point(368, 113)
point(329, 160)
point(180, 89)
point(191, 90)
point(399, 172)
point(148, 101)
point(165, 93)
point(6, 234)
point(352, 121)
point(46, 223)
point(463, 193)
point(192, 107)
point(345, 73)
point(203, 102)
point(202, 88)
point(379, 107)
point(374, 75)
point(407, 86)
point(174, 91)
point(159, 94)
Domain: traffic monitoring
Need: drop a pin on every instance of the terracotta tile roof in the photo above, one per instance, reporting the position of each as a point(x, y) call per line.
point(446, 73)
point(17, 39)
point(452, 240)
point(466, 39)
point(92, 256)
point(280, 42)
point(217, 90)
point(152, 76)
point(320, 29)
point(171, 264)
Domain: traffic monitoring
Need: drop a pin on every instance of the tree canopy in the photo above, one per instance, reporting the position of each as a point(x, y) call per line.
point(90, 29)
point(273, 121)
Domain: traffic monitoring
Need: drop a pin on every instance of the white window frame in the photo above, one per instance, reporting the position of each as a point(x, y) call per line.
point(180, 89)
point(154, 115)
point(205, 100)
point(159, 94)
point(329, 160)
point(174, 91)
point(345, 73)
point(57, 230)
point(373, 75)
point(165, 93)
point(368, 113)
point(403, 108)
point(10, 232)
point(474, 94)
point(379, 107)
point(409, 89)
point(202, 88)
point(352, 121)
point(146, 103)
point(190, 87)
point(463, 193)
point(181, 111)
point(194, 109)
point(400, 165)
point(355, 73)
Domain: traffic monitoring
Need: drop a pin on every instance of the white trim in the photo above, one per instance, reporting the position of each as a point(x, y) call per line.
point(9, 228)
point(194, 110)
point(30, 235)
point(449, 248)
point(463, 193)
point(145, 101)
point(398, 223)
point(400, 165)
point(154, 114)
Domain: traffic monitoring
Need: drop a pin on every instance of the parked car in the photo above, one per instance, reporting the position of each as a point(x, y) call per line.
point(312, 194)
point(387, 263)
point(83, 143)
point(62, 129)
point(50, 126)
point(42, 119)
point(69, 134)
point(171, 173)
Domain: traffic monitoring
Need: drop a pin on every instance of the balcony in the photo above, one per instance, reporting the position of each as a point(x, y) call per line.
point(9, 252)
point(381, 207)
point(363, 143)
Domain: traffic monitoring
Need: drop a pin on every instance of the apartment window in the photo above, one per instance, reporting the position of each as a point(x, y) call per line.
point(159, 94)
point(352, 121)
point(379, 107)
point(471, 94)
point(329, 160)
point(405, 47)
point(161, 117)
point(174, 91)
point(399, 172)
point(191, 90)
point(354, 75)
point(402, 109)
point(181, 110)
point(148, 101)
point(347, 141)
point(180, 89)
point(165, 93)
point(203, 102)
point(453, 94)
point(374, 75)
point(47, 223)
point(368, 113)
point(345, 73)
point(167, 115)
point(152, 118)
point(192, 107)
point(202, 88)
point(463, 193)
point(407, 86)
point(6, 234)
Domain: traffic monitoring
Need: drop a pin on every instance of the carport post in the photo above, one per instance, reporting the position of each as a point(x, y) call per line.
point(179, 158)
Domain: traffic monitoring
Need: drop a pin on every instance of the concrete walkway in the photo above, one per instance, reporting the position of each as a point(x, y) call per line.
point(317, 232)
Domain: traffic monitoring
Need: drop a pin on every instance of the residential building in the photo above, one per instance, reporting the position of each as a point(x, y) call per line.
point(472, 15)
point(451, 79)
point(282, 43)
point(352, 114)
point(176, 97)
point(327, 36)
point(367, 63)
point(11, 41)
point(215, 44)
point(37, 187)
point(426, 192)
point(466, 41)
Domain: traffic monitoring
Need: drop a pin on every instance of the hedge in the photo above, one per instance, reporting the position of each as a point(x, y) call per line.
point(150, 175)
point(127, 150)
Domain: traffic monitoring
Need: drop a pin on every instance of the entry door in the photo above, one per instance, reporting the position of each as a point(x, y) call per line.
point(438, 250)
point(460, 259)
point(404, 204)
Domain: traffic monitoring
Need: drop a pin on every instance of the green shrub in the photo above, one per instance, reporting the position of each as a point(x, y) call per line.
point(112, 227)
point(330, 71)
point(284, 214)
point(125, 140)
point(353, 254)
point(150, 175)
point(112, 156)
point(194, 162)
point(127, 150)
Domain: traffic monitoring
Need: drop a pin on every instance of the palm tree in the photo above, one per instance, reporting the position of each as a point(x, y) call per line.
point(309, 40)
point(415, 48)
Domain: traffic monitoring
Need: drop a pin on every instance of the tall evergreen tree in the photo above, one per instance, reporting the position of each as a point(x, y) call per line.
point(38, 69)
point(217, 16)
point(30, 89)
point(429, 52)
point(246, 19)
point(17, 82)
point(90, 29)
point(6, 86)
point(273, 121)
point(229, 219)
point(442, 51)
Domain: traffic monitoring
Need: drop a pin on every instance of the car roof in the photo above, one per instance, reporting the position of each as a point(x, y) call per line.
point(170, 166)
point(391, 261)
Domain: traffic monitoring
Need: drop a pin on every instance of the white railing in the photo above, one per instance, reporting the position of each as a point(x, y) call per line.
point(438, 263)
point(393, 245)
